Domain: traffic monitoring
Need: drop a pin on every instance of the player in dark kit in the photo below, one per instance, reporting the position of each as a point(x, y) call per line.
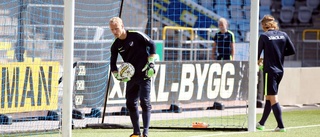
point(275, 44)
point(224, 42)
point(139, 50)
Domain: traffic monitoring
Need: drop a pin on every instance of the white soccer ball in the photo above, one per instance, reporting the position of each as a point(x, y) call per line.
point(126, 70)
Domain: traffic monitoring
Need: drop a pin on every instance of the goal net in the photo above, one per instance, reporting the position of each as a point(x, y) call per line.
point(189, 86)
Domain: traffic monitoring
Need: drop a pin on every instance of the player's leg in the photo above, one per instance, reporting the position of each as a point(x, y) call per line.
point(274, 102)
point(145, 103)
point(132, 96)
point(267, 107)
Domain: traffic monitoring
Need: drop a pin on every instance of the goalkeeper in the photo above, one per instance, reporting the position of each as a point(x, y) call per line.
point(139, 50)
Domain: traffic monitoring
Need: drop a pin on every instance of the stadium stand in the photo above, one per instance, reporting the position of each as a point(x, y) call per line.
point(233, 26)
point(247, 2)
point(264, 10)
point(225, 2)
point(265, 3)
point(234, 12)
point(304, 14)
point(236, 2)
point(287, 2)
point(286, 14)
point(313, 3)
point(293, 16)
point(246, 11)
point(222, 10)
point(207, 4)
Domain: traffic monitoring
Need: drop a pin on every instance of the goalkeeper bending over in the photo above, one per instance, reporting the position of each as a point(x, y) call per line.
point(276, 45)
point(139, 50)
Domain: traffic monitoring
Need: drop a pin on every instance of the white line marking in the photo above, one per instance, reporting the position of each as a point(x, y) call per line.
point(224, 133)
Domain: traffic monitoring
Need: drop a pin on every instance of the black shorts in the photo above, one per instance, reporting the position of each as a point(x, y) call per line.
point(224, 57)
point(271, 83)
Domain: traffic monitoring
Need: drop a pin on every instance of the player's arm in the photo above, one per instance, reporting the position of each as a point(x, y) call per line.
point(214, 45)
point(149, 67)
point(260, 45)
point(289, 50)
point(260, 48)
point(232, 45)
point(113, 58)
point(151, 46)
point(113, 63)
point(232, 50)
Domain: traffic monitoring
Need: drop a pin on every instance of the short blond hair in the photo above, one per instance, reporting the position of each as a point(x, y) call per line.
point(223, 21)
point(268, 22)
point(115, 20)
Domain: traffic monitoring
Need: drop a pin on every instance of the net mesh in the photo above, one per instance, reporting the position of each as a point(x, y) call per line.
point(189, 86)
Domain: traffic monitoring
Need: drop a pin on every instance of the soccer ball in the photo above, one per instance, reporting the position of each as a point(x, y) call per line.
point(126, 70)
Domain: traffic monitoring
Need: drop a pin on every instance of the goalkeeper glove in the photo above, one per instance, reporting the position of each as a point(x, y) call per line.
point(149, 68)
point(117, 76)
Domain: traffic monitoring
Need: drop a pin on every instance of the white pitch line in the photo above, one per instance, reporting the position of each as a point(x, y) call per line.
point(224, 133)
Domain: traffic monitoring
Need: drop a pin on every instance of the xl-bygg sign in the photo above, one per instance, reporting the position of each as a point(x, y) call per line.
point(187, 82)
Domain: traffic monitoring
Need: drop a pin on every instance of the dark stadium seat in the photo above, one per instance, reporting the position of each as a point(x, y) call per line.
point(247, 2)
point(236, 12)
point(222, 10)
point(236, 2)
point(244, 25)
point(286, 14)
point(196, 1)
point(304, 14)
point(313, 3)
point(246, 11)
point(264, 10)
point(265, 3)
point(233, 26)
point(287, 2)
point(207, 4)
point(221, 2)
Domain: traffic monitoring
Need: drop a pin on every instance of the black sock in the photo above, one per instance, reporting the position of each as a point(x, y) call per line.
point(266, 112)
point(278, 114)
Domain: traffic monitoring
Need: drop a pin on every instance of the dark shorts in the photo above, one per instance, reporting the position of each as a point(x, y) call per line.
point(271, 83)
point(224, 57)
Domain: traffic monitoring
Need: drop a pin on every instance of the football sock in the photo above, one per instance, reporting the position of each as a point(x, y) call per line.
point(146, 121)
point(134, 116)
point(278, 114)
point(266, 112)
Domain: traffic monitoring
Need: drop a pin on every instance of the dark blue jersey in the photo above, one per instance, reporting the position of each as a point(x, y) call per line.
point(275, 44)
point(224, 41)
point(135, 49)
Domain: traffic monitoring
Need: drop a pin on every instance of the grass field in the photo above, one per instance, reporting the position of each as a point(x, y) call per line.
point(299, 123)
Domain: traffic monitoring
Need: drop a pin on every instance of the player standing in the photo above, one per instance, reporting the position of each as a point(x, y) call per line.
point(139, 50)
point(224, 42)
point(275, 44)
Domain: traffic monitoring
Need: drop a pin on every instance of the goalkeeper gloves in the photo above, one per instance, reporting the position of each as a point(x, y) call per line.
point(149, 68)
point(117, 76)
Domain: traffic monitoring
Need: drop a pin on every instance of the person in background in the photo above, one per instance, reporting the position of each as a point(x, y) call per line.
point(139, 50)
point(276, 45)
point(224, 42)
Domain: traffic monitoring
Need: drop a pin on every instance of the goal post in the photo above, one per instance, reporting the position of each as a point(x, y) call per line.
point(68, 73)
point(253, 67)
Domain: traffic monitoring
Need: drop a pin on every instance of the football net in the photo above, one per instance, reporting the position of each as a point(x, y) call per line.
point(188, 87)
